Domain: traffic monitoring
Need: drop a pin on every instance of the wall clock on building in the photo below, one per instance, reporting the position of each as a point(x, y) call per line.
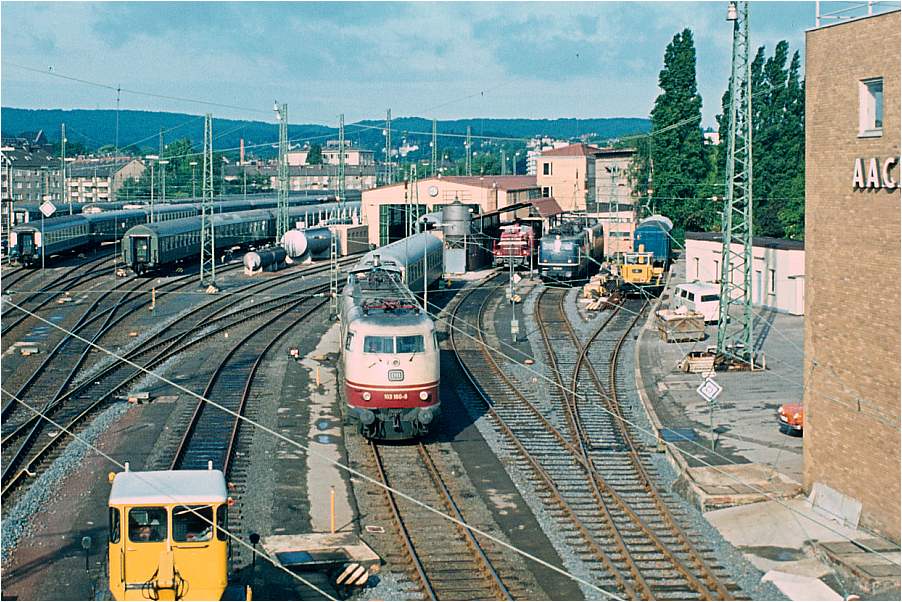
point(433, 191)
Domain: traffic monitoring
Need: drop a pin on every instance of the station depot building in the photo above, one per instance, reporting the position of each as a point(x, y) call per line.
point(852, 303)
point(386, 209)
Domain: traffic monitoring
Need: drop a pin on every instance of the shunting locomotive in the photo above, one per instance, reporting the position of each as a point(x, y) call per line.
point(516, 246)
point(643, 271)
point(167, 535)
point(390, 354)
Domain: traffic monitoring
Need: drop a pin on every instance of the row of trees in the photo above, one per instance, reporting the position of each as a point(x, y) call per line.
point(684, 174)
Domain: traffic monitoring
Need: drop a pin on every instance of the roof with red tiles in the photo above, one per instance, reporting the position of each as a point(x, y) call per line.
point(574, 150)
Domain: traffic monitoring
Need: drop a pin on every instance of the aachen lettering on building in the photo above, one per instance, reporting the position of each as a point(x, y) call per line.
point(878, 175)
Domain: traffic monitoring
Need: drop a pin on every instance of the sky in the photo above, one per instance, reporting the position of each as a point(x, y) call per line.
point(435, 60)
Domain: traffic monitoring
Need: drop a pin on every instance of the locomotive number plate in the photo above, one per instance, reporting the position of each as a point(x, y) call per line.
point(395, 396)
point(395, 375)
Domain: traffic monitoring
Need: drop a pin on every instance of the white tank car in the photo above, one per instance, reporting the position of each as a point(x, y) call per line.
point(390, 355)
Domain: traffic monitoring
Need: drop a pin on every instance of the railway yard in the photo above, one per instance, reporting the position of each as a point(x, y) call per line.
point(543, 480)
point(582, 358)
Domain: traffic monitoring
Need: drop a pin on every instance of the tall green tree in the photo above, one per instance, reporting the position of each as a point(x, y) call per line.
point(315, 156)
point(673, 159)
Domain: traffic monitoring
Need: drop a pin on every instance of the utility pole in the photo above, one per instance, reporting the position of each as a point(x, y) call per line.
point(414, 202)
point(469, 161)
point(503, 163)
point(193, 180)
point(160, 154)
point(282, 204)
point(66, 197)
point(434, 146)
point(389, 176)
point(341, 160)
point(734, 333)
point(207, 229)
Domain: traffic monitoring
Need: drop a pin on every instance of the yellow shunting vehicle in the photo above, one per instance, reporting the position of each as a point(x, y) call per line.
point(638, 272)
point(167, 538)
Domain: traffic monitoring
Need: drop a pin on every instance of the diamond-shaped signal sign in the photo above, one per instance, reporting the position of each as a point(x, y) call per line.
point(709, 390)
point(47, 208)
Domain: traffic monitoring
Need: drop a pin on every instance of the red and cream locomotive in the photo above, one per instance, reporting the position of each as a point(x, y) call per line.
point(390, 355)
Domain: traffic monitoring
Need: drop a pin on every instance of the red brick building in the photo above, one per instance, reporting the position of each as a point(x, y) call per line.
point(852, 234)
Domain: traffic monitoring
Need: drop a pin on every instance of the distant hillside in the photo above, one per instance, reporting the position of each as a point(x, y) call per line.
point(97, 128)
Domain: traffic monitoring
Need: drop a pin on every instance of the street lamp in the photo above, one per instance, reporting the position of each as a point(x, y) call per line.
point(516, 156)
point(193, 165)
point(151, 158)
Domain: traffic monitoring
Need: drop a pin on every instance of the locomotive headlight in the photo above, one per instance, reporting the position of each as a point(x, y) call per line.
point(424, 395)
point(366, 396)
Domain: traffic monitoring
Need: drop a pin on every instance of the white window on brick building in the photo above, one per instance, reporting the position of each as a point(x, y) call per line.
point(870, 107)
point(546, 169)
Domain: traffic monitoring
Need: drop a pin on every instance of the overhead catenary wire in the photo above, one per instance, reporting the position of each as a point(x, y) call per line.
point(169, 495)
point(322, 456)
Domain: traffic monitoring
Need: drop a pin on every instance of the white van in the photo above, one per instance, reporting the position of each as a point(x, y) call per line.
point(701, 297)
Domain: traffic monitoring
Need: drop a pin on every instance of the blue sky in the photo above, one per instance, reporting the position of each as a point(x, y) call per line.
point(442, 60)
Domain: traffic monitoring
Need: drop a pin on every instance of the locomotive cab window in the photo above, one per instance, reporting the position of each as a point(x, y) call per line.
point(222, 522)
point(147, 525)
point(410, 344)
point(114, 525)
point(373, 344)
point(192, 523)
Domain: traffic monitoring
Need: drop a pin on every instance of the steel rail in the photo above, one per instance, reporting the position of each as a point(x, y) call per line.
point(171, 349)
point(402, 528)
point(499, 375)
point(183, 448)
point(487, 567)
point(580, 438)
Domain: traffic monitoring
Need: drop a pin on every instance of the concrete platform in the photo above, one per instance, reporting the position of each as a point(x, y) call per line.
point(734, 485)
point(321, 551)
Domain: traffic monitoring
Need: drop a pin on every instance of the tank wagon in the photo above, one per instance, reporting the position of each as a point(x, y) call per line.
point(571, 252)
point(149, 247)
point(390, 354)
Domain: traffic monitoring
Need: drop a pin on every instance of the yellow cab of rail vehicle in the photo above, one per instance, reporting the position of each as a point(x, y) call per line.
point(638, 268)
point(166, 539)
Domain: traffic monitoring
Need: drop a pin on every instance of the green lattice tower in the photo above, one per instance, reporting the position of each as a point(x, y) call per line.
point(207, 231)
point(734, 327)
point(469, 160)
point(434, 146)
point(282, 199)
point(341, 161)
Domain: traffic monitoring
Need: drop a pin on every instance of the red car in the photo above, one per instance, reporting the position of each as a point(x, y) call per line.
point(792, 417)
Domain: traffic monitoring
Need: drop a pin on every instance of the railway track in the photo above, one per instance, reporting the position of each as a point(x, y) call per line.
point(447, 561)
point(23, 458)
point(85, 272)
point(608, 510)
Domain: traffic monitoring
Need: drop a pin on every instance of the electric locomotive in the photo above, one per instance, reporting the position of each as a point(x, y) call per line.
point(390, 354)
point(515, 246)
point(571, 252)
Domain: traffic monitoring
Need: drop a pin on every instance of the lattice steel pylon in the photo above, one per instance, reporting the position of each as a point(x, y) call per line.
point(389, 172)
point(434, 146)
point(341, 161)
point(207, 231)
point(734, 326)
point(282, 199)
point(469, 159)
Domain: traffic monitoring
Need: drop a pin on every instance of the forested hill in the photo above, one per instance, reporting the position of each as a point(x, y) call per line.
point(95, 128)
